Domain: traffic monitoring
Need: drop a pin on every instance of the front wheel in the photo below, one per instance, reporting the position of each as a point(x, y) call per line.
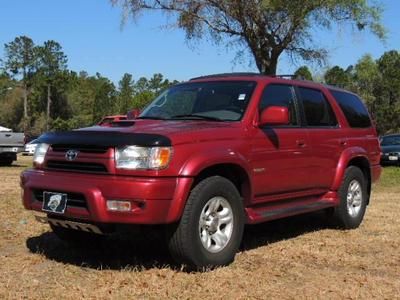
point(353, 199)
point(211, 228)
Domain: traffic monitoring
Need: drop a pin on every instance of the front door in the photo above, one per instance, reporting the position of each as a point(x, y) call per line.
point(280, 154)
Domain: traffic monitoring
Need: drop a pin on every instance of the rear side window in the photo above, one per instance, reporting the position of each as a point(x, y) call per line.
point(354, 110)
point(280, 95)
point(317, 109)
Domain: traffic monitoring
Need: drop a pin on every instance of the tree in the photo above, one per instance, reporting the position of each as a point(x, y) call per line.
point(303, 73)
point(338, 77)
point(125, 94)
point(387, 92)
point(104, 100)
point(20, 60)
point(52, 61)
point(267, 28)
point(366, 77)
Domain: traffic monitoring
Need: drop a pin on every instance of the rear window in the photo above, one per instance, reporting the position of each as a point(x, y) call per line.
point(354, 110)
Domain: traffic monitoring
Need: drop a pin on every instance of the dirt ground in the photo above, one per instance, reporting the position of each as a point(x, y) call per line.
point(299, 257)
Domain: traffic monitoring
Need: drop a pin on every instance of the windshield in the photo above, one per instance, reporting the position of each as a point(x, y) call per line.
point(391, 140)
point(214, 101)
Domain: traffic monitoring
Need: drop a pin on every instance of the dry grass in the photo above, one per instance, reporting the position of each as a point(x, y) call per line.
point(295, 258)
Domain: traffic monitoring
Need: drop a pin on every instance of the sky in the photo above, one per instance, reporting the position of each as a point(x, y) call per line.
point(91, 35)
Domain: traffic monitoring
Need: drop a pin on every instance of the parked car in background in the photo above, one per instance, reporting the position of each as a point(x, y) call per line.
point(11, 143)
point(390, 145)
point(108, 120)
point(30, 148)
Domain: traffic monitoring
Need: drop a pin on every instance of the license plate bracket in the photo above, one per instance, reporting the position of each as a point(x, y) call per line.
point(54, 202)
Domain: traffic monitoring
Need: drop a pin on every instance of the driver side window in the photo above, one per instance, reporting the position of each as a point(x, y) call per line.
point(280, 95)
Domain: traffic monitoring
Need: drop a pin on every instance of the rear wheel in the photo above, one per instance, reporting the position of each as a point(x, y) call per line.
point(353, 199)
point(211, 228)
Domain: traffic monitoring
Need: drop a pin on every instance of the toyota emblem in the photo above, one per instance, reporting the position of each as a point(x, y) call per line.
point(71, 155)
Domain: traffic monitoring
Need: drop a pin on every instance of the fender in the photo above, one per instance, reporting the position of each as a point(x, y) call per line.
point(193, 167)
point(347, 155)
point(199, 162)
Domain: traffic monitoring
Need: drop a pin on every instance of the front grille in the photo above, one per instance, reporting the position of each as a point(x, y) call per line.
point(76, 166)
point(73, 199)
point(80, 148)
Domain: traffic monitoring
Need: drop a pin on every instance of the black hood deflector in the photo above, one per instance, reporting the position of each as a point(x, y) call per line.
point(104, 138)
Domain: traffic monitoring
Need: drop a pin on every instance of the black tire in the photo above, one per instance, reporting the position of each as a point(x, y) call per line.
point(185, 244)
point(77, 238)
point(342, 217)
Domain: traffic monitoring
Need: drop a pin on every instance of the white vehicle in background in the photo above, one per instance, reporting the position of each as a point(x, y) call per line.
point(30, 148)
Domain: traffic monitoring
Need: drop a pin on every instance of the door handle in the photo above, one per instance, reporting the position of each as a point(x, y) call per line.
point(301, 143)
point(343, 142)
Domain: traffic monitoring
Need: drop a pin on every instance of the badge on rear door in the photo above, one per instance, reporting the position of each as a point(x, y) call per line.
point(54, 202)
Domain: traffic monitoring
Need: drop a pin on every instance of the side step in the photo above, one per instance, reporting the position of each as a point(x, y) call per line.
point(70, 224)
point(272, 212)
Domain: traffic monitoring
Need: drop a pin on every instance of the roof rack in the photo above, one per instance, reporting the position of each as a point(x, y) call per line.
point(288, 76)
point(228, 75)
point(249, 74)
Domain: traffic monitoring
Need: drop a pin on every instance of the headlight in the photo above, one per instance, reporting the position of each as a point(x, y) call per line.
point(40, 153)
point(141, 158)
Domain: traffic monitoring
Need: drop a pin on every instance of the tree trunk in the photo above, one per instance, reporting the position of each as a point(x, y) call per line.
point(25, 95)
point(48, 106)
point(266, 66)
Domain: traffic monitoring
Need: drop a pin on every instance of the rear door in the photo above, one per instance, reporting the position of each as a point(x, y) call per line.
point(326, 138)
point(280, 154)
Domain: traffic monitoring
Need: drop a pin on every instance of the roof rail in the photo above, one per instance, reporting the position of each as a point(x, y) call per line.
point(249, 74)
point(227, 75)
point(286, 76)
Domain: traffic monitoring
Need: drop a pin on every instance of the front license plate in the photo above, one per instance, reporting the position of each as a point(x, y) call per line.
point(54, 202)
point(393, 158)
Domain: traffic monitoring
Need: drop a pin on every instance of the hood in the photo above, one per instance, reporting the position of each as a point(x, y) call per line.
point(390, 148)
point(145, 133)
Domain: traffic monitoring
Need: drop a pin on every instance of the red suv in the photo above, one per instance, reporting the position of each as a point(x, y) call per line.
point(207, 157)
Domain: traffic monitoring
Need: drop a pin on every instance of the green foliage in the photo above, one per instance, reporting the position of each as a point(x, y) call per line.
point(20, 58)
point(303, 73)
point(125, 93)
point(378, 83)
point(266, 29)
point(338, 77)
point(55, 98)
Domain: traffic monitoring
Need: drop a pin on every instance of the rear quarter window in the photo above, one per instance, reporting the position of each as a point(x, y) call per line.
point(354, 110)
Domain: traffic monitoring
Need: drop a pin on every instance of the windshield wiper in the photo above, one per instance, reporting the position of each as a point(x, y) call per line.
point(150, 118)
point(194, 116)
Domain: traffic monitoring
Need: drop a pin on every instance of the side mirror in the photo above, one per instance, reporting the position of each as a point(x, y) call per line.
point(274, 115)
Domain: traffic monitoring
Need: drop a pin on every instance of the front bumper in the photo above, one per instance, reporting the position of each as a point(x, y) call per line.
point(153, 200)
point(393, 162)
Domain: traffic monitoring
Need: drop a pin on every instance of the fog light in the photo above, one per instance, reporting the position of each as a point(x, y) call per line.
point(119, 205)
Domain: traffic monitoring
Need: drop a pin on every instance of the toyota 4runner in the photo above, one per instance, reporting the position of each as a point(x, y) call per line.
point(207, 157)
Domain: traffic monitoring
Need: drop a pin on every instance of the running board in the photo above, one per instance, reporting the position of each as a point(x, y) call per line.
point(273, 212)
point(70, 224)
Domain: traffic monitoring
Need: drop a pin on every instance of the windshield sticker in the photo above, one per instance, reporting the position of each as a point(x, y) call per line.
point(242, 97)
